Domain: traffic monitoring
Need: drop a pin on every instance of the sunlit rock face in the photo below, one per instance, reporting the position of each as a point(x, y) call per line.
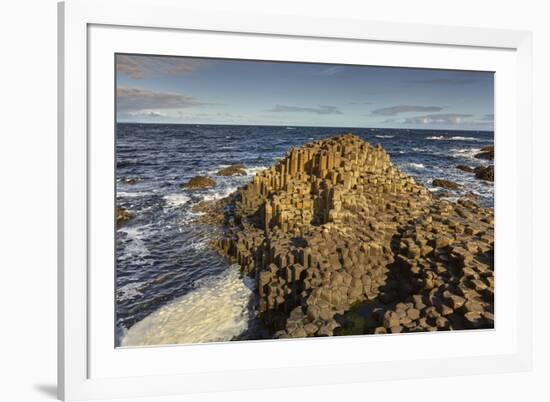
point(334, 231)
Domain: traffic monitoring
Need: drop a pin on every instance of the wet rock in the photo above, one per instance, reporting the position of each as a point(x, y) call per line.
point(200, 182)
point(485, 173)
point(233, 170)
point(210, 212)
point(123, 216)
point(450, 185)
point(465, 168)
point(487, 153)
point(132, 180)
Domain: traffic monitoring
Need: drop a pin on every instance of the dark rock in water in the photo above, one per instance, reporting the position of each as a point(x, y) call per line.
point(123, 216)
point(233, 170)
point(485, 173)
point(212, 212)
point(465, 168)
point(486, 153)
point(132, 180)
point(200, 182)
point(335, 225)
point(451, 185)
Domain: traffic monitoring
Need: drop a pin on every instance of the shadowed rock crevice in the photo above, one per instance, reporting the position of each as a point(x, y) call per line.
point(334, 233)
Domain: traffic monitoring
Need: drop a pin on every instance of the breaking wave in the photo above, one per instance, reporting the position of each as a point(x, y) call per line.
point(455, 138)
point(416, 165)
point(176, 200)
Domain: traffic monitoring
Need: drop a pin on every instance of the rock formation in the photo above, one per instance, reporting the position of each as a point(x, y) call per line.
point(465, 168)
point(334, 226)
point(486, 173)
point(233, 170)
point(123, 216)
point(451, 185)
point(200, 182)
point(486, 153)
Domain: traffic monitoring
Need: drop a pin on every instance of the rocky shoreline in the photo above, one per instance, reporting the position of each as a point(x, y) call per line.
point(340, 241)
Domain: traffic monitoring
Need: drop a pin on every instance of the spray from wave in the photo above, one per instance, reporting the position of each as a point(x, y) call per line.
point(176, 200)
point(216, 311)
point(415, 165)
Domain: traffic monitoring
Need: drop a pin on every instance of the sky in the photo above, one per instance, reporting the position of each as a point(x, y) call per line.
point(163, 89)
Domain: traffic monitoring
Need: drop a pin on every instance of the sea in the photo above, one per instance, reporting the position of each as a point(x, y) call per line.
point(171, 288)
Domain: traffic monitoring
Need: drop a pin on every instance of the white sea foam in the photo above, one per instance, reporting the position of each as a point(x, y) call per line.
point(416, 165)
point(455, 138)
point(464, 152)
point(176, 200)
point(251, 171)
point(128, 194)
point(216, 311)
point(189, 216)
point(136, 247)
point(384, 136)
point(129, 291)
point(219, 194)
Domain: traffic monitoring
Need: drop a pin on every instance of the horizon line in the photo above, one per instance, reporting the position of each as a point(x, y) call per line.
point(299, 125)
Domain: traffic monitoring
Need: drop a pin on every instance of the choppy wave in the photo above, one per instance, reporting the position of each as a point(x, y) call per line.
point(132, 194)
point(416, 165)
point(216, 311)
point(135, 245)
point(218, 194)
point(455, 138)
point(464, 152)
point(176, 200)
point(384, 136)
point(129, 291)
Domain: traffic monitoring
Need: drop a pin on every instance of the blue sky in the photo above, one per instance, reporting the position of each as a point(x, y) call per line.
point(160, 89)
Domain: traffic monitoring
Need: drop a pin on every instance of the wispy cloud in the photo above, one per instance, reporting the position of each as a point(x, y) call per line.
point(148, 113)
point(322, 109)
point(142, 100)
point(331, 70)
point(443, 81)
point(395, 110)
point(449, 118)
point(140, 67)
point(488, 117)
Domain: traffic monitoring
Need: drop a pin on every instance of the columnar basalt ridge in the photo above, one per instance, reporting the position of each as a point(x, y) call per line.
point(335, 225)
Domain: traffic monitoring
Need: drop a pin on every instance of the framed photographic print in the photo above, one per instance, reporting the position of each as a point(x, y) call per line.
point(254, 201)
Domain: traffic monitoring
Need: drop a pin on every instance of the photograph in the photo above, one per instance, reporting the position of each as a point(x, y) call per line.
point(263, 200)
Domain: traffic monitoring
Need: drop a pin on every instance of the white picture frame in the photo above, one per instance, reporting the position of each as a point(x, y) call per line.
point(89, 368)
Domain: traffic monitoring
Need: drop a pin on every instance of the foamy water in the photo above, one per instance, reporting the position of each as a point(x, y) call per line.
point(177, 200)
point(416, 165)
point(453, 138)
point(217, 311)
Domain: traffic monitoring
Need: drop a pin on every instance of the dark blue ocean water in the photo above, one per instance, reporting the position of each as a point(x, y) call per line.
point(167, 278)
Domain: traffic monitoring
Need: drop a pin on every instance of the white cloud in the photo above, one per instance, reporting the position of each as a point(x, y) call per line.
point(395, 110)
point(449, 118)
point(322, 109)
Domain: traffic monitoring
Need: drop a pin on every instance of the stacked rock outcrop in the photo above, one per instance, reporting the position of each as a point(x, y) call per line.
point(335, 225)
